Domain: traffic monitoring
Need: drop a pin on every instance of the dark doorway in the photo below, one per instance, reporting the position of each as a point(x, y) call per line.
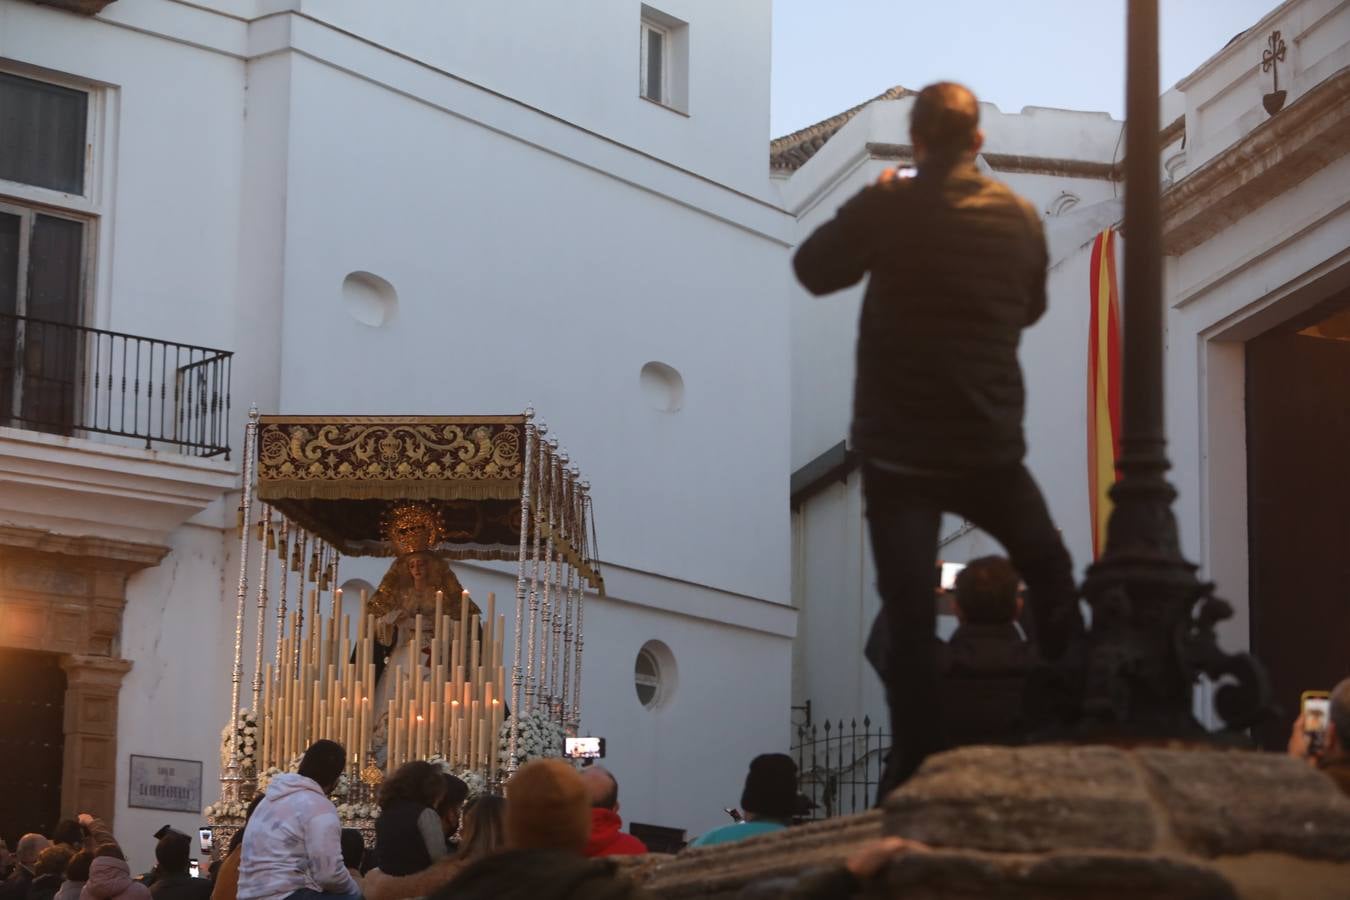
point(32, 708)
point(1298, 506)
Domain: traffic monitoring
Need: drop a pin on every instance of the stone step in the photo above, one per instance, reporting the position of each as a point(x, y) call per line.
point(1067, 822)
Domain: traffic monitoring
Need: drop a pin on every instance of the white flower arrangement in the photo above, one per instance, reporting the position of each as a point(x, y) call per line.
point(351, 812)
point(245, 727)
point(222, 809)
point(472, 778)
point(540, 737)
point(474, 781)
point(266, 777)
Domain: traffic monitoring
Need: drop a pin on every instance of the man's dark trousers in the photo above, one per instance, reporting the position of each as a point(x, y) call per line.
point(904, 514)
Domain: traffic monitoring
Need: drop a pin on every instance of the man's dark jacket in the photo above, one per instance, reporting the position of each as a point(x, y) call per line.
point(957, 264)
point(985, 670)
point(44, 887)
point(16, 886)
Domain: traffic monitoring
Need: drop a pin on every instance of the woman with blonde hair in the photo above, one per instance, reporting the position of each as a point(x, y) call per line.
point(484, 832)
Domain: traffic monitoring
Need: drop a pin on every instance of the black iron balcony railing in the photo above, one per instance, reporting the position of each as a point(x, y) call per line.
point(71, 380)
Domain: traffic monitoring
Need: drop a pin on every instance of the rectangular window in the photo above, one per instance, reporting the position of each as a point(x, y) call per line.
point(42, 276)
point(42, 134)
point(653, 64)
point(663, 69)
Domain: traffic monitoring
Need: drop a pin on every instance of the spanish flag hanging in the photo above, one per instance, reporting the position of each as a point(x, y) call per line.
point(1103, 406)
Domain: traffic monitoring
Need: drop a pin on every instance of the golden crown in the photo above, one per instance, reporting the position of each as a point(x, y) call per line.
point(412, 527)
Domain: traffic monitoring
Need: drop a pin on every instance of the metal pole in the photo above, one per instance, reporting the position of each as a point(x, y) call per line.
point(230, 779)
point(1149, 641)
point(1143, 442)
point(517, 676)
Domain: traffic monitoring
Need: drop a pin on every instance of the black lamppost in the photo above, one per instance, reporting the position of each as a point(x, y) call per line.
point(1153, 621)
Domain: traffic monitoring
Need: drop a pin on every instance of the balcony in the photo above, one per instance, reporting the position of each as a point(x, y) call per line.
point(136, 391)
point(109, 436)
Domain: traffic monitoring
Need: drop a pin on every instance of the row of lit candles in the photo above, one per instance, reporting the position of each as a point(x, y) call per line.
point(325, 688)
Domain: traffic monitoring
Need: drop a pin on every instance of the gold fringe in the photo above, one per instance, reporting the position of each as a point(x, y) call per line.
point(516, 419)
point(444, 489)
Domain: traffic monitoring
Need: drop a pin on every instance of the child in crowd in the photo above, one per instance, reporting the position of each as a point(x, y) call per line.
point(408, 835)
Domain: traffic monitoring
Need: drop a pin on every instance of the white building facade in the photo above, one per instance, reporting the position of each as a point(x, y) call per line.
point(444, 209)
point(1256, 236)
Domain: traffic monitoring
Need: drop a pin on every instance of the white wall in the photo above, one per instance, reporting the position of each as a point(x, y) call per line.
point(581, 63)
point(178, 630)
point(526, 278)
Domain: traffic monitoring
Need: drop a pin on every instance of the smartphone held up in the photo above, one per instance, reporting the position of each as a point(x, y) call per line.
point(1315, 708)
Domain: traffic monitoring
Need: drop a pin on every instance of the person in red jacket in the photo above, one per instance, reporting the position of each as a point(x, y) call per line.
point(606, 838)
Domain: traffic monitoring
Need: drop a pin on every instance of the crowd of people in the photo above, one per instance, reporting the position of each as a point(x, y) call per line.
point(554, 834)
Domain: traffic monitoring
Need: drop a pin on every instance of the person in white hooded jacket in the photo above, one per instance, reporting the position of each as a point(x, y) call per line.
point(292, 848)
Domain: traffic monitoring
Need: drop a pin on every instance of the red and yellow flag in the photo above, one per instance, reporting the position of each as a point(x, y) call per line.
point(1103, 406)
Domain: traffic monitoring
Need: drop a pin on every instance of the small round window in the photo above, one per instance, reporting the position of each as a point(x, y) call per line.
point(647, 678)
point(655, 674)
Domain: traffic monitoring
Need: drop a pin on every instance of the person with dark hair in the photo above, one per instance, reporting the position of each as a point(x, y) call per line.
point(986, 663)
point(957, 266)
point(174, 880)
point(607, 838)
point(70, 833)
point(292, 847)
point(96, 832)
point(110, 877)
point(408, 835)
point(768, 802)
point(77, 873)
point(49, 872)
point(453, 795)
point(547, 822)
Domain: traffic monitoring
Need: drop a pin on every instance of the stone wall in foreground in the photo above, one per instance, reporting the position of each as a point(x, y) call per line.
point(1069, 822)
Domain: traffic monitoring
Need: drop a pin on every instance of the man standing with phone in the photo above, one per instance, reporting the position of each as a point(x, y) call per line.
point(957, 264)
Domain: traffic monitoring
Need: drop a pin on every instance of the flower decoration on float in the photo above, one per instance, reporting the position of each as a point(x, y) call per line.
point(225, 809)
point(245, 730)
point(540, 737)
point(472, 778)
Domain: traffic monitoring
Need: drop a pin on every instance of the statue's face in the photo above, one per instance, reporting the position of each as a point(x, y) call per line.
point(417, 568)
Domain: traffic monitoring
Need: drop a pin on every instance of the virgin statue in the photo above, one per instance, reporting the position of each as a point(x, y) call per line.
point(408, 589)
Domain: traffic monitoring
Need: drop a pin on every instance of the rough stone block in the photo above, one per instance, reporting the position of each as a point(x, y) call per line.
point(1026, 800)
point(1237, 802)
point(1057, 876)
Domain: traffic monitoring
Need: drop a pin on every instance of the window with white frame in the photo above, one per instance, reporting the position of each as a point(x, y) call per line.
point(44, 245)
point(655, 77)
point(663, 52)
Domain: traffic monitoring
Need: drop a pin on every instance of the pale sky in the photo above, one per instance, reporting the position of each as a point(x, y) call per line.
point(829, 55)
